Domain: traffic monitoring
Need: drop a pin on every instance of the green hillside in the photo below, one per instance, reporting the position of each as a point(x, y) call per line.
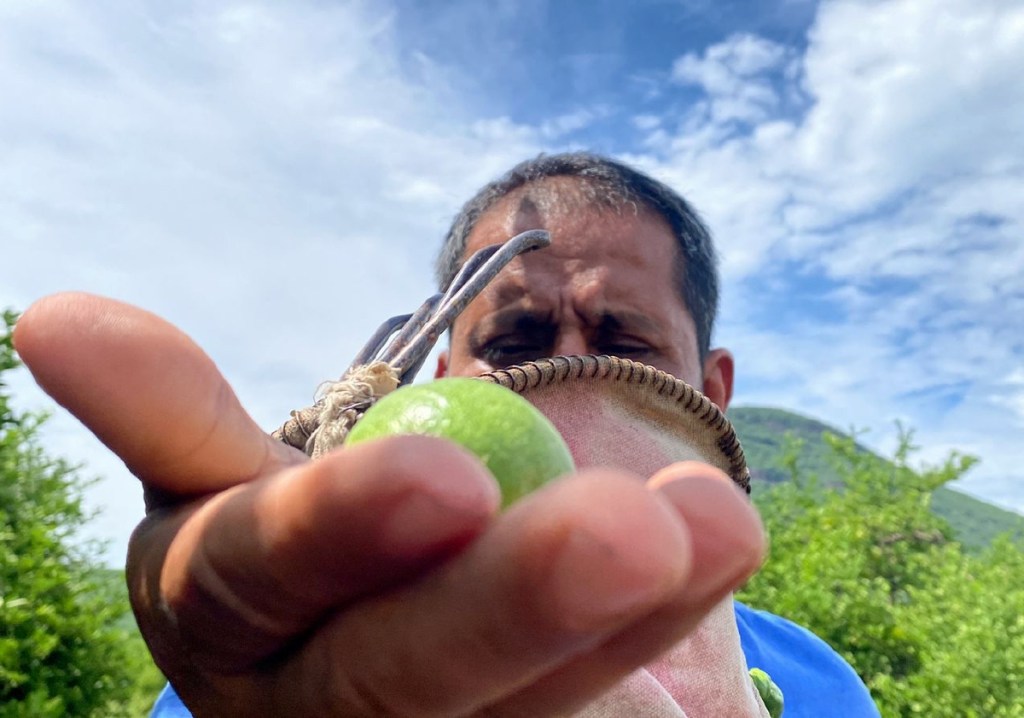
point(764, 431)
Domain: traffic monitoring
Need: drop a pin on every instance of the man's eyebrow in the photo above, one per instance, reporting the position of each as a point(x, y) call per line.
point(612, 321)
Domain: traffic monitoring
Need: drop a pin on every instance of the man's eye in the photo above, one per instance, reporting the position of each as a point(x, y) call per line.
point(505, 352)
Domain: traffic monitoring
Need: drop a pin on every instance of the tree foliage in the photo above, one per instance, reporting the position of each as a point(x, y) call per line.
point(933, 630)
point(65, 648)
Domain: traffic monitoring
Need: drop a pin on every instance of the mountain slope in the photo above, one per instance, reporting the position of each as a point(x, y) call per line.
point(763, 432)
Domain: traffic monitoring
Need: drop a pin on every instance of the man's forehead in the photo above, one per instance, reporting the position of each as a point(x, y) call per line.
point(596, 250)
point(553, 203)
point(557, 195)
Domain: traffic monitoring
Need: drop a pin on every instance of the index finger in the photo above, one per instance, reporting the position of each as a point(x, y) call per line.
point(148, 392)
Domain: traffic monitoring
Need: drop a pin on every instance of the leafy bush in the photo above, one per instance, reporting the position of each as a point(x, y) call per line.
point(65, 648)
point(933, 630)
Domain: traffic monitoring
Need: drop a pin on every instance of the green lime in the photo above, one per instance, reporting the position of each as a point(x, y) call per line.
point(770, 692)
point(518, 444)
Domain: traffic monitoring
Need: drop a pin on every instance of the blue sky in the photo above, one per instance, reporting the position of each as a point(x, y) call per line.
point(274, 178)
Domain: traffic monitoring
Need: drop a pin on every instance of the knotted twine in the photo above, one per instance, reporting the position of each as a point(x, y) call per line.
point(339, 404)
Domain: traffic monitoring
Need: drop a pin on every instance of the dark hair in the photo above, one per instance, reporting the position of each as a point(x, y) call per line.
point(611, 184)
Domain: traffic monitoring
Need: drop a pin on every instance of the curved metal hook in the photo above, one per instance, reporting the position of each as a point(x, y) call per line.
point(419, 332)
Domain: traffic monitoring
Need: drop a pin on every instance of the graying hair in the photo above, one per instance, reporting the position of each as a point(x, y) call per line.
point(607, 184)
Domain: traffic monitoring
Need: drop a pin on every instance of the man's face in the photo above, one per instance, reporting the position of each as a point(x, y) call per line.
point(606, 285)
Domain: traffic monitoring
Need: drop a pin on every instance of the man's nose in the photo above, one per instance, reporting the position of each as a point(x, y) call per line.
point(571, 343)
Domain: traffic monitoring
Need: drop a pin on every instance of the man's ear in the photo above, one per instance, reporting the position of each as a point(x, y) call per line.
point(442, 365)
point(718, 376)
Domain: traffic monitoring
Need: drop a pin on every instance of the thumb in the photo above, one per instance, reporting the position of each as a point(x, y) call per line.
point(147, 391)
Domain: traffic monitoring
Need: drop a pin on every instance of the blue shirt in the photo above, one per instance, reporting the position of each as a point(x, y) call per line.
point(815, 681)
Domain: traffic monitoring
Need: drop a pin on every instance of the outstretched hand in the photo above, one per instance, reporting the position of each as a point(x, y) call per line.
point(381, 579)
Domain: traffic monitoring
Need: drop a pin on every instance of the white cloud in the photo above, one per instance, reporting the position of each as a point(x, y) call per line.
point(741, 56)
point(732, 74)
point(908, 93)
point(646, 122)
point(1010, 394)
point(898, 189)
point(562, 125)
